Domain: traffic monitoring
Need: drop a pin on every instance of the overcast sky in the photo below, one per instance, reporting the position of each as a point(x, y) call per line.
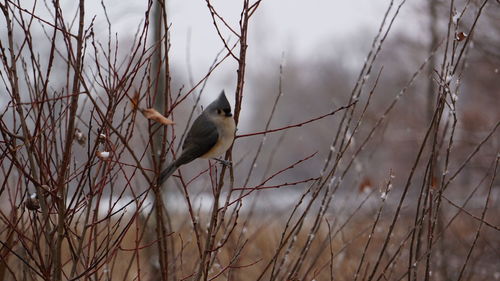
point(299, 29)
point(279, 26)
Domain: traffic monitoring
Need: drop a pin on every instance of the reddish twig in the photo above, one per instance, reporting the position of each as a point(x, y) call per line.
point(298, 124)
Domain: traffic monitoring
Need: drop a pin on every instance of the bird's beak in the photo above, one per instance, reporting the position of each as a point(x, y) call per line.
point(229, 114)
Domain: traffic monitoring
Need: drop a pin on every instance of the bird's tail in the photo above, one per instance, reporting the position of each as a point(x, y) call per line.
point(165, 174)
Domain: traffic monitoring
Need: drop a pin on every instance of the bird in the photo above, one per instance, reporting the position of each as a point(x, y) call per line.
point(211, 135)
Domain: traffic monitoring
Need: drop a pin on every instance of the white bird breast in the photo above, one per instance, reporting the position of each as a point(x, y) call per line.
point(226, 129)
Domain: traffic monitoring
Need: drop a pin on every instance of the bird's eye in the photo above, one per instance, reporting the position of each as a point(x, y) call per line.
point(219, 111)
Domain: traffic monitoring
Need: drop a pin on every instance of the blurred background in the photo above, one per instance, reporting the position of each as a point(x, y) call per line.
point(321, 46)
point(304, 60)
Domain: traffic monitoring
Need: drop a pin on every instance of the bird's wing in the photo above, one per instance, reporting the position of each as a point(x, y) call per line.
point(200, 139)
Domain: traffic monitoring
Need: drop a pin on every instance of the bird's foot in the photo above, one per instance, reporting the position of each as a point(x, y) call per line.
point(223, 162)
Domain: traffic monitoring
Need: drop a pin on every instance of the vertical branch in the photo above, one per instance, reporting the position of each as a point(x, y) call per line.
point(70, 132)
point(161, 72)
point(433, 28)
point(246, 13)
point(205, 262)
point(14, 84)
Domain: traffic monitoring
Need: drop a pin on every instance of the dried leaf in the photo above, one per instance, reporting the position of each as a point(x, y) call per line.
point(460, 36)
point(365, 186)
point(153, 114)
point(434, 183)
point(134, 101)
point(102, 138)
point(80, 137)
point(32, 202)
point(103, 154)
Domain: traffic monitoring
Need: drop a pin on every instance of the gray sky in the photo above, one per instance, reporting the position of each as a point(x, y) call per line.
point(313, 30)
point(279, 26)
point(302, 31)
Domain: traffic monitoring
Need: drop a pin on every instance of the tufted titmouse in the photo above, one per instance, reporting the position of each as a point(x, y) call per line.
point(211, 134)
